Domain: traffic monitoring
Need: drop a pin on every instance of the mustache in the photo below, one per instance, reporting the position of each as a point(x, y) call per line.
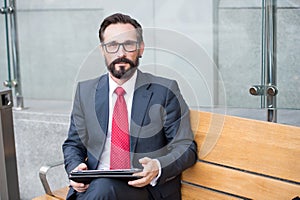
point(122, 60)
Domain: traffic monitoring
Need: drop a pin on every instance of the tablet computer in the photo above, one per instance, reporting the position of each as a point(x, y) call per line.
point(86, 176)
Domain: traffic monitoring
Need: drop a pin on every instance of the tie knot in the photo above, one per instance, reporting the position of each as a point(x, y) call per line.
point(120, 91)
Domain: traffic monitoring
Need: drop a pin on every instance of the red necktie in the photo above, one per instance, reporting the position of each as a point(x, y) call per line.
point(120, 150)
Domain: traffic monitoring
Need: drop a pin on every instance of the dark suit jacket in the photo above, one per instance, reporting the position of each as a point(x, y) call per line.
point(160, 128)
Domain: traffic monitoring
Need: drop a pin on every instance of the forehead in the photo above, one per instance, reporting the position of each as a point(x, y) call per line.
point(119, 32)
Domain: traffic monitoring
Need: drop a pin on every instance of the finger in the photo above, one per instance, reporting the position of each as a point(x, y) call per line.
point(80, 187)
point(139, 182)
point(83, 189)
point(148, 177)
point(75, 184)
point(141, 174)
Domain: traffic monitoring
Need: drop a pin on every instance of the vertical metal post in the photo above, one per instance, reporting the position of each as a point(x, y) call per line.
point(216, 52)
point(4, 10)
point(9, 185)
point(269, 57)
point(15, 56)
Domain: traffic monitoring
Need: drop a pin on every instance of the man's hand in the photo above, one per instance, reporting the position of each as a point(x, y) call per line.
point(151, 170)
point(79, 187)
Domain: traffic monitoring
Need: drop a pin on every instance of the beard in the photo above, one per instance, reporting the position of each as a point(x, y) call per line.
point(122, 73)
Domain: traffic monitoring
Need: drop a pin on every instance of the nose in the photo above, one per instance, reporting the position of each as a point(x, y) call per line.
point(121, 52)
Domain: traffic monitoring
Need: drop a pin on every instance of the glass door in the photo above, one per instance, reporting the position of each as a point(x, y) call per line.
point(238, 45)
point(288, 50)
point(256, 52)
point(10, 49)
point(4, 69)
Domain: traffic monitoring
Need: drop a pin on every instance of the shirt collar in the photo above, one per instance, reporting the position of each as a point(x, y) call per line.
point(128, 86)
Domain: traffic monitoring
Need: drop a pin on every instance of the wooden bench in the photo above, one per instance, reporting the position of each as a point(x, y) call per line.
point(238, 159)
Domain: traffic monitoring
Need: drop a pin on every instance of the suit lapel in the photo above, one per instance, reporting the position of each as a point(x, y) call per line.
point(141, 99)
point(101, 103)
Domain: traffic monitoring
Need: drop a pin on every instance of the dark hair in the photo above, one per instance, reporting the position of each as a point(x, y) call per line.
point(120, 18)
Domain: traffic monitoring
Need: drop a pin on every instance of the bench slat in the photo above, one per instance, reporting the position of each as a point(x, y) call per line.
point(239, 183)
point(190, 192)
point(59, 194)
point(257, 146)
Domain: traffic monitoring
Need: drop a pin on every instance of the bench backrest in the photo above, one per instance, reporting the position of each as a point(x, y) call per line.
point(243, 159)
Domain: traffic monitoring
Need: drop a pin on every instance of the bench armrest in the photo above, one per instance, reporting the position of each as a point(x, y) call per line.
point(43, 175)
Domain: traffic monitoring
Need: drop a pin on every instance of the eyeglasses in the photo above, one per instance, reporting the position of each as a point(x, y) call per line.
point(113, 47)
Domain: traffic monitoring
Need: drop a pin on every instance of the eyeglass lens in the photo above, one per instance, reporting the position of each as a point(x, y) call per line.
point(128, 46)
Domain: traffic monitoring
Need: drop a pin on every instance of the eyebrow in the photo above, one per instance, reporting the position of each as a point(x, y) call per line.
point(114, 41)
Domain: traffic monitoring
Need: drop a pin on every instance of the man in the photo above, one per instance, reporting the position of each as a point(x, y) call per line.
point(128, 119)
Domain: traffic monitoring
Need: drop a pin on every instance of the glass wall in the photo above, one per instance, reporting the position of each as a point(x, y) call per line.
point(240, 56)
point(3, 53)
point(213, 48)
point(55, 37)
point(238, 52)
point(288, 49)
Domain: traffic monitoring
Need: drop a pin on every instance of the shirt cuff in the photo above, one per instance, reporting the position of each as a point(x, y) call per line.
point(154, 181)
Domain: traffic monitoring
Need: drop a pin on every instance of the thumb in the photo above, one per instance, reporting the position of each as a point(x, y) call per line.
point(82, 166)
point(144, 160)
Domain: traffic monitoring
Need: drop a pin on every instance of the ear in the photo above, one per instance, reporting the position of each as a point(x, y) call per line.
point(141, 49)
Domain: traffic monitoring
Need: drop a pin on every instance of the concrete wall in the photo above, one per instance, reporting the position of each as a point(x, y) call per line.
point(39, 134)
point(58, 38)
point(58, 42)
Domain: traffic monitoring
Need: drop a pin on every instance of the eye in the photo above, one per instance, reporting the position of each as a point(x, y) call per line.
point(112, 44)
point(129, 43)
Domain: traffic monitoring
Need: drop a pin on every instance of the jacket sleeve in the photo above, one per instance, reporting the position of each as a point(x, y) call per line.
point(74, 149)
point(181, 148)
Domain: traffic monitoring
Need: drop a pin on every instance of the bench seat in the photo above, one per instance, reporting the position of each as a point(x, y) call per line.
point(238, 159)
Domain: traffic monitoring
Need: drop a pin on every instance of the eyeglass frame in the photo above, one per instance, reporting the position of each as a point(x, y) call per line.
point(121, 44)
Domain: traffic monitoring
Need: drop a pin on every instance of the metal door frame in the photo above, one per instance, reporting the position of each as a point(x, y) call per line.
point(12, 46)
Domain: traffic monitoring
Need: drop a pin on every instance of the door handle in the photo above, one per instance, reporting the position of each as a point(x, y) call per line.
point(272, 90)
point(256, 90)
point(259, 90)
